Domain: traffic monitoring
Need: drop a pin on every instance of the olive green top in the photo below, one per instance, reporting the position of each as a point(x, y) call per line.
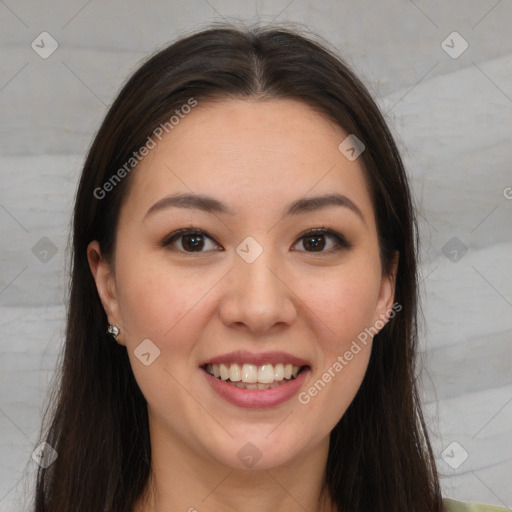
point(459, 506)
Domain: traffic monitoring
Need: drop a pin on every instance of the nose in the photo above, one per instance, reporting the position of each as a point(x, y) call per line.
point(258, 298)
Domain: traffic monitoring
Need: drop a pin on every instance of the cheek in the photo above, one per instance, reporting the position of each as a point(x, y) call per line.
point(344, 304)
point(344, 311)
point(156, 297)
point(159, 304)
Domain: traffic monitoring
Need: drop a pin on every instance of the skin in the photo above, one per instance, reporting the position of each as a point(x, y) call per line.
point(257, 157)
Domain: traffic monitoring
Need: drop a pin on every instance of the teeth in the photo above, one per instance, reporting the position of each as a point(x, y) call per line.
point(235, 373)
point(266, 374)
point(224, 372)
point(250, 376)
point(249, 373)
point(279, 372)
point(242, 385)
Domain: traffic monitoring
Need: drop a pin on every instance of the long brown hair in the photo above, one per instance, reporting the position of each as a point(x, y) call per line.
point(380, 458)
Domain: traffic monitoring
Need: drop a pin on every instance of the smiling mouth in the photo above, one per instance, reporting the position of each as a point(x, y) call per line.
point(250, 376)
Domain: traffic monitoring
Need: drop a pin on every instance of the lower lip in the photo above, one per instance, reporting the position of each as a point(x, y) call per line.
point(257, 398)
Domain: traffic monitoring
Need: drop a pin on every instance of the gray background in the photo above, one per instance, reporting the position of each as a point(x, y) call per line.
point(451, 117)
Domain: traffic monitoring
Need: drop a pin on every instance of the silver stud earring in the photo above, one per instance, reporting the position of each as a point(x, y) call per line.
point(112, 329)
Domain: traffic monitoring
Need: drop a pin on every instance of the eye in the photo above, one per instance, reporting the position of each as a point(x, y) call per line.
point(314, 240)
point(192, 240)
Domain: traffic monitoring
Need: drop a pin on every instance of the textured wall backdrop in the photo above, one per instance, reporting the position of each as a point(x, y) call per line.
point(442, 73)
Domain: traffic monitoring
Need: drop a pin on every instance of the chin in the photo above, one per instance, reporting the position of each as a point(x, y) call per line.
point(259, 452)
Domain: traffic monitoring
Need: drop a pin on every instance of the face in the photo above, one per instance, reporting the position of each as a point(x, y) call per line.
point(242, 279)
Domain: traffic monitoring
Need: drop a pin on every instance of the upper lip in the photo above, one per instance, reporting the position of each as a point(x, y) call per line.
point(257, 359)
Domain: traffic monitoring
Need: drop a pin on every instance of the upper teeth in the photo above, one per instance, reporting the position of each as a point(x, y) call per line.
point(250, 373)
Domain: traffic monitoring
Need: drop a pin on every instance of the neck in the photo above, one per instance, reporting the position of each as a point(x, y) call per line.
point(184, 480)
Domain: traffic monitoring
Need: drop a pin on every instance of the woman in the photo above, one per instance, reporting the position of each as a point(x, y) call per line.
point(242, 319)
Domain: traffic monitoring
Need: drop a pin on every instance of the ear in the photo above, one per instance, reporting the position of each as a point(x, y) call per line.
point(103, 274)
point(387, 294)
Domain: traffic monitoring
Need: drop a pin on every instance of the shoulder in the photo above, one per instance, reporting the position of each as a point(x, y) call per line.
point(459, 506)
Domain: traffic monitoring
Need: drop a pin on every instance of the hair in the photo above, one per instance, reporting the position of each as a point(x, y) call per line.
point(380, 457)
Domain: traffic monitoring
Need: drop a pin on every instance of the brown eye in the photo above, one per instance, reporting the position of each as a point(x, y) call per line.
point(314, 242)
point(187, 240)
point(192, 242)
point(317, 240)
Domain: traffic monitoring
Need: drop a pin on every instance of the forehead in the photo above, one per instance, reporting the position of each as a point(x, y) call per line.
point(250, 154)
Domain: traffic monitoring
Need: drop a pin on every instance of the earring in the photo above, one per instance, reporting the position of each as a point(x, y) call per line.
point(112, 329)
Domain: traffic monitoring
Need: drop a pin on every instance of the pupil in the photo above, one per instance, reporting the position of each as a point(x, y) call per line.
point(316, 242)
point(192, 242)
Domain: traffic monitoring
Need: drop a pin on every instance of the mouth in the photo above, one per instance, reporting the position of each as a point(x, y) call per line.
point(255, 377)
point(256, 380)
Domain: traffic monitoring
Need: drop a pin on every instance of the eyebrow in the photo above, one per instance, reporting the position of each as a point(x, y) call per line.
point(211, 205)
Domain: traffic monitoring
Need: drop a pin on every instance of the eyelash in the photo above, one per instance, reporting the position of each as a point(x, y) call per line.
point(341, 241)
